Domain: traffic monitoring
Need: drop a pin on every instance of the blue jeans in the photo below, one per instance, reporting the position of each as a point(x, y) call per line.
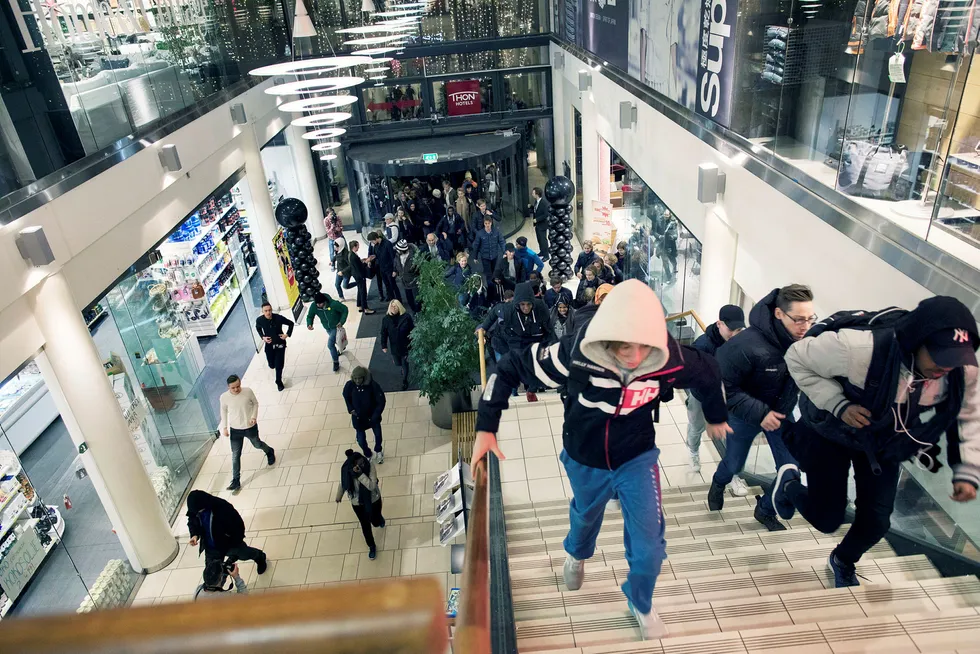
point(361, 436)
point(332, 344)
point(637, 482)
point(330, 251)
point(737, 447)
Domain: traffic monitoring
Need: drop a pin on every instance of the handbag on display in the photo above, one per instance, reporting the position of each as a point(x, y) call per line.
point(874, 171)
point(341, 340)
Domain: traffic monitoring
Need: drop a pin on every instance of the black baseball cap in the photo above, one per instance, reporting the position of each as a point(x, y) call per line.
point(951, 348)
point(732, 316)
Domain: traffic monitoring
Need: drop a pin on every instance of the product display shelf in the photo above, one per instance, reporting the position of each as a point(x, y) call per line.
point(231, 305)
point(214, 276)
point(20, 514)
point(56, 535)
point(204, 232)
point(96, 318)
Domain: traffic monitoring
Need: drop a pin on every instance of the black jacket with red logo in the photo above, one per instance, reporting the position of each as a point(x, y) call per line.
point(607, 423)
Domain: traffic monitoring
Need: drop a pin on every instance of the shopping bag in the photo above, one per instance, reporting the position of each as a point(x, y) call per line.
point(341, 340)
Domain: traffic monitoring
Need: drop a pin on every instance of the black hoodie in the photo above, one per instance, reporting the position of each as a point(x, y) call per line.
point(520, 330)
point(753, 369)
point(220, 518)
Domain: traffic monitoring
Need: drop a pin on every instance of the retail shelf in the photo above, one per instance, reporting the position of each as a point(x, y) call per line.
point(231, 305)
point(10, 470)
point(99, 316)
point(216, 276)
point(3, 505)
point(204, 232)
point(20, 514)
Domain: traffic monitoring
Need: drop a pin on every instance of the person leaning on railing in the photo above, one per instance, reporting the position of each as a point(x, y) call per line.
point(615, 371)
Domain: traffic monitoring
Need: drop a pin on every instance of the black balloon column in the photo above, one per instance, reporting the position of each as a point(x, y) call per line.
point(291, 214)
point(560, 191)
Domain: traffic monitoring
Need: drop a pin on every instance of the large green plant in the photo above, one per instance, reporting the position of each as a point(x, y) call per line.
point(443, 350)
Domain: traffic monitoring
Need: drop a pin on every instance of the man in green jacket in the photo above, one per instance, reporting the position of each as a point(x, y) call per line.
point(332, 315)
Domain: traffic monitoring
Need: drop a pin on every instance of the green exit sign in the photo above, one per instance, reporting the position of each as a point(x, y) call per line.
point(430, 157)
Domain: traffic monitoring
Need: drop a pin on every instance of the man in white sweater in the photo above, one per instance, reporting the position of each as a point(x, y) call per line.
point(239, 417)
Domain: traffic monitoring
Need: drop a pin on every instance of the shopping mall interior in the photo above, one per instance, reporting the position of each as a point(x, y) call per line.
point(168, 169)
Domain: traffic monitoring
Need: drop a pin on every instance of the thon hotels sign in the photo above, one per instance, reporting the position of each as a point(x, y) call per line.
point(63, 21)
point(463, 97)
point(716, 60)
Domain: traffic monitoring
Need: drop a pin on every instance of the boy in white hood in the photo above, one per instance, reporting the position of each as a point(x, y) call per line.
point(615, 371)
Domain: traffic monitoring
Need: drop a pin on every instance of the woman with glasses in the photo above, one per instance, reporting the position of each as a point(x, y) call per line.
point(759, 390)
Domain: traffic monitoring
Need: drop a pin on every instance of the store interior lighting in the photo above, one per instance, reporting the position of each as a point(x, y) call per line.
point(326, 133)
point(327, 157)
point(379, 69)
point(376, 51)
point(315, 85)
point(321, 147)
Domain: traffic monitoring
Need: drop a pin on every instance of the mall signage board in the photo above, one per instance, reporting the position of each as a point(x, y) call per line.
point(607, 30)
point(463, 97)
point(716, 60)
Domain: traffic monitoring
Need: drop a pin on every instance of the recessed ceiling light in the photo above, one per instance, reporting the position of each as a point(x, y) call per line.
point(314, 85)
point(331, 145)
point(315, 104)
point(318, 120)
point(327, 133)
point(309, 66)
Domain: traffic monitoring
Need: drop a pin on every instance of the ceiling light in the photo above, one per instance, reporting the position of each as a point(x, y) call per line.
point(331, 145)
point(381, 60)
point(376, 51)
point(302, 25)
point(373, 29)
point(376, 40)
point(328, 133)
point(309, 66)
point(315, 104)
point(379, 69)
point(315, 85)
point(318, 120)
point(327, 157)
point(378, 77)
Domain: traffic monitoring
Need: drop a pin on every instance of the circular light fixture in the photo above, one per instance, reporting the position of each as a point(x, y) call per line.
point(378, 27)
point(318, 120)
point(411, 21)
point(331, 145)
point(327, 133)
point(379, 69)
point(316, 104)
point(309, 66)
point(400, 12)
point(381, 60)
point(315, 85)
point(378, 77)
point(376, 51)
point(327, 157)
point(376, 40)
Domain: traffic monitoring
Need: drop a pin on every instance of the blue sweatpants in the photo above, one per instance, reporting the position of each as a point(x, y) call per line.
point(637, 483)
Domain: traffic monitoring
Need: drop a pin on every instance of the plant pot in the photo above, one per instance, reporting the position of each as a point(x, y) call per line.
point(450, 403)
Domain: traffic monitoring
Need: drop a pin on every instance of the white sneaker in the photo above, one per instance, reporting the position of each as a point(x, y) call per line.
point(695, 461)
point(651, 626)
point(739, 489)
point(573, 572)
point(379, 457)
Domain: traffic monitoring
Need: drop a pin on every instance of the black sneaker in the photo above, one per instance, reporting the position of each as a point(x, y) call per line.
point(234, 486)
point(770, 521)
point(716, 497)
point(271, 456)
point(382, 525)
point(280, 386)
point(373, 553)
point(845, 574)
point(781, 503)
point(262, 565)
point(336, 366)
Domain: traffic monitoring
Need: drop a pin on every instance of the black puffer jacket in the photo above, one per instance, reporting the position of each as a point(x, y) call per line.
point(207, 513)
point(709, 341)
point(753, 369)
point(519, 330)
point(365, 403)
point(395, 333)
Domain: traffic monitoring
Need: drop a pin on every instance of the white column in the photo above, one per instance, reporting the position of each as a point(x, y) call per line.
point(262, 220)
point(559, 114)
point(308, 189)
point(82, 392)
point(590, 159)
point(718, 251)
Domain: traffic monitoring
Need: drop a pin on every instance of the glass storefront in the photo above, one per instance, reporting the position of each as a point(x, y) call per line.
point(58, 553)
point(383, 103)
point(660, 250)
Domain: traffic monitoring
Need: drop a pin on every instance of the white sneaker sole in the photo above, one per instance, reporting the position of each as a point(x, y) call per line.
point(778, 484)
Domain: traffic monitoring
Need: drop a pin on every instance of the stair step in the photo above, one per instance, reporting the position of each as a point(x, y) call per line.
point(750, 610)
point(617, 633)
point(667, 492)
point(806, 572)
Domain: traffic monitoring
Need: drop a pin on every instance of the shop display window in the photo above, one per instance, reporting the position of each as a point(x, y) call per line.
point(393, 103)
point(526, 90)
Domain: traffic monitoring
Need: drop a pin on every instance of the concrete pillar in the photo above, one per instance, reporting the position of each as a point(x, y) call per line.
point(309, 191)
point(560, 115)
point(262, 220)
point(83, 393)
point(605, 163)
point(718, 251)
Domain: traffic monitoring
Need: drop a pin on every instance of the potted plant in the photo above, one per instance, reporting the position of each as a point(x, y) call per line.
point(443, 350)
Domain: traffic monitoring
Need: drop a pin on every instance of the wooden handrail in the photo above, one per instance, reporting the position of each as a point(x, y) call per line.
point(391, 615)
point(685, 314)
point(481, 338)
point(473, 624)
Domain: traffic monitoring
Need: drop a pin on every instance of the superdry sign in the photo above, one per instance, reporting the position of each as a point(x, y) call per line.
point(463, 97)
point(716, 60)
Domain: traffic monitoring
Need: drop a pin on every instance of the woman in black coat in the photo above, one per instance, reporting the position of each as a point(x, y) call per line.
point(396, 328)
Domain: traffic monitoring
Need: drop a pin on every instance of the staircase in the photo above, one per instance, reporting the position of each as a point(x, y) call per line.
point(731, 586)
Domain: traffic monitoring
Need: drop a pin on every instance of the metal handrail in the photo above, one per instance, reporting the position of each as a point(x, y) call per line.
point(692, 313)
point(473, 625)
